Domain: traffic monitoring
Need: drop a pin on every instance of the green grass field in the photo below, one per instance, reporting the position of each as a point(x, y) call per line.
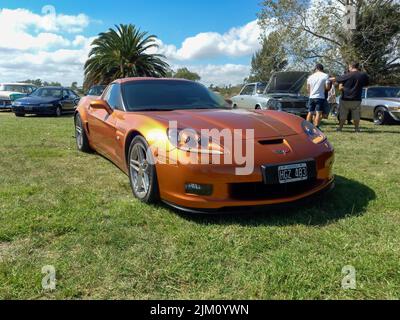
point(75, 211)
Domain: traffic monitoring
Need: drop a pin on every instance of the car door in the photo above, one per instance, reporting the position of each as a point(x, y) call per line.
point(67, 102)
point(367, 107)
point(245, 97)
point(75, 98)
point(102, 125)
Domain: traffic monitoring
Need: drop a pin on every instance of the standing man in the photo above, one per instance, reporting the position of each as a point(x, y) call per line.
point(352, 84)
point(317, 84)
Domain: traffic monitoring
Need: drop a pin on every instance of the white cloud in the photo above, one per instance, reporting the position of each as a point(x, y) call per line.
point(35, 46)
point(225, 74)
point(237, 42)
point(41, 46)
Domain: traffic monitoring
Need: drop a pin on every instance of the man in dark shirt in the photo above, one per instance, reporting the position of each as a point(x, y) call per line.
point(352, 84)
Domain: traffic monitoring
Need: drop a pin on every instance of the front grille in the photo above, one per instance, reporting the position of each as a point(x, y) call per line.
point(261, 191)
point(294, 104)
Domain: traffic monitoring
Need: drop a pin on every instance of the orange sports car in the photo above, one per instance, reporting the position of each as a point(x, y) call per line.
point(182, 144)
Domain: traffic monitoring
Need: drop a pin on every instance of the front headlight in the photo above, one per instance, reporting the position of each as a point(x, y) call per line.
point(190, 140)
point(316, 135)
point(46, 105)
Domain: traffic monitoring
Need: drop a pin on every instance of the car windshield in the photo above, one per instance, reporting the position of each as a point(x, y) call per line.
point(12, 88)
point(96, 91)
point(384, 92)
point(47, 93)
point(169, 95)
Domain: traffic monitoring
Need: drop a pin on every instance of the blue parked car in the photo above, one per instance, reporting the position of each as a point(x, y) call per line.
point(47, 101)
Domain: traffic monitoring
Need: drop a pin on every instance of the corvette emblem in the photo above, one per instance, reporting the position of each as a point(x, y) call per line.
point(281, 151)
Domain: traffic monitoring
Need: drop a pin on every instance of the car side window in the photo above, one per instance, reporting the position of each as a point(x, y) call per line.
point(249, 90)
point(72, 94)
point(372, 93)
point(113, 96)
point(243, 92)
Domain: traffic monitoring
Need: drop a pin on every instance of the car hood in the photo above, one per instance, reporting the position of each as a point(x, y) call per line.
point(290, 81)
point(38, 100)
point(263, 126)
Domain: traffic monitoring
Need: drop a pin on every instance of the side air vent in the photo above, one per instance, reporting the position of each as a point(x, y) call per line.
point(270, 142)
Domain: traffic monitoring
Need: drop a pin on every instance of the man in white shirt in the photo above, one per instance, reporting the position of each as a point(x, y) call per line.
point(317, 85)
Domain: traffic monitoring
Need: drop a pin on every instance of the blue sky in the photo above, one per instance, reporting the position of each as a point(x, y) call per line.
point(215, 38)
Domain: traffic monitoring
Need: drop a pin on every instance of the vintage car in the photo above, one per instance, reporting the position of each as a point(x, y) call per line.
point(47, 101)
point(381, 104)
point(281, 93)
point(12, 91)
point(186, 147)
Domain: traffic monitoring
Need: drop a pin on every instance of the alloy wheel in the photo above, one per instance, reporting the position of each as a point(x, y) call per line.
point(139, 167)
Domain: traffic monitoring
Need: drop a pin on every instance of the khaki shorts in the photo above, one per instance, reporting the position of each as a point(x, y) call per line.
point(350, 106)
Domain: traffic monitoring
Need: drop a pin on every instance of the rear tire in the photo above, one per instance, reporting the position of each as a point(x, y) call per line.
point(82, 141)
point(142, 173)
point(381, 116)
point(258, 107)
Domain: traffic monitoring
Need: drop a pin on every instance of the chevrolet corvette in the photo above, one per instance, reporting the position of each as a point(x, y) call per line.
point(180, 143)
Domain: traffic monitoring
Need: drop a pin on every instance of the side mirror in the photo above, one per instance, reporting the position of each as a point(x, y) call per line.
point(101, 104)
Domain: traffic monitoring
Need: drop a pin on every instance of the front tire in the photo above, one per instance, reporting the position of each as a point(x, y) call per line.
point(82, 141)
point(381, 116)
point(58, 112)
point(142, 171)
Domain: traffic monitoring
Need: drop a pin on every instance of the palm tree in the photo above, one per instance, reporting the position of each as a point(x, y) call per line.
point(123, 52)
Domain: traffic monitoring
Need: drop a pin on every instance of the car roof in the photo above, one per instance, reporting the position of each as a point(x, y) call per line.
point(126, 80)
point(17, 84)
point(55, 87)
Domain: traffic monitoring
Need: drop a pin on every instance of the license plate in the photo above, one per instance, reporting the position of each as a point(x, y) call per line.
point(289, 172)
point(293, 173)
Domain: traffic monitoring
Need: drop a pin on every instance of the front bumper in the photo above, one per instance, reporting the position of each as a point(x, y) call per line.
point(5, 104)
point(34, 110)
point(234, 191)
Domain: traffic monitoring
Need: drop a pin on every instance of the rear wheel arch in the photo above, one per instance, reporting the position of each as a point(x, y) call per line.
point(380, 106)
